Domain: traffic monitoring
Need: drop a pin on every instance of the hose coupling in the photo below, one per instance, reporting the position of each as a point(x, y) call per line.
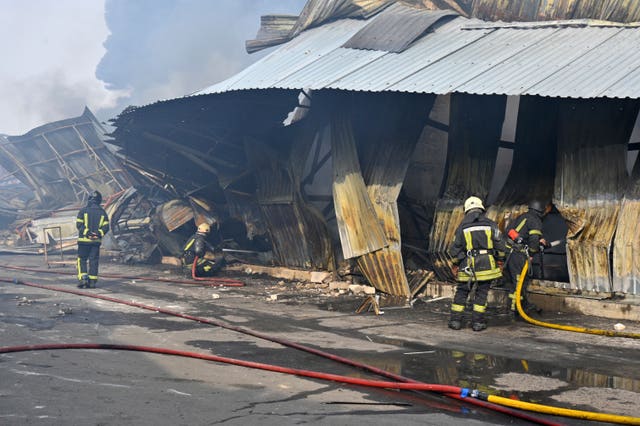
point(479, 395)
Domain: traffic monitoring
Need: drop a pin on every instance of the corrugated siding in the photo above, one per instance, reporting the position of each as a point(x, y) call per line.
point(358, 225)
point(590, 180)
point(385, 156)
point(565, 58)
point(475, 125)
point(290, 249)
point(626, 246)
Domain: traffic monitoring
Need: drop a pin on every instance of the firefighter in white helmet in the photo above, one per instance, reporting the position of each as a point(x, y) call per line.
point(197, 249)
point(477, 247)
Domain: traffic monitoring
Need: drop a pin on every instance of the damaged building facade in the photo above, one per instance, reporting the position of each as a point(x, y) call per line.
point(355, 142)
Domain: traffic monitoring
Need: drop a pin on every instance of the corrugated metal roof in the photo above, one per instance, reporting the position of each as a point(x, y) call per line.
point(563, 59)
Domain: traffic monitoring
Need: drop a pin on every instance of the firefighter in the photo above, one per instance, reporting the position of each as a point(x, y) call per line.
point(477, 248)
point(199, 250)
point(524, 240)
point(93, 224)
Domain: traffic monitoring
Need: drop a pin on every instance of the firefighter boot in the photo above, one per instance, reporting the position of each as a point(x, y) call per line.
point(92, 283)
point(84, 281)
point(478, 325)
point(455, 322)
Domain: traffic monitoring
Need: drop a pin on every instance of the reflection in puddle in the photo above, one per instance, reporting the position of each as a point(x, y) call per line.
point(513, 378)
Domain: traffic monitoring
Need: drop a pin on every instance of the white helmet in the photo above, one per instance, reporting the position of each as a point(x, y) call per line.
point(473, 203)
point(204, 228)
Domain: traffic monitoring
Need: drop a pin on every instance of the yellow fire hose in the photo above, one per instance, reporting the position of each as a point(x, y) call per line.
point(558, 326)
point(566, 412)
point(547, 409)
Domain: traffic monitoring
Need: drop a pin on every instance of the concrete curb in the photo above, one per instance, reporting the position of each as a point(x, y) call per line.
point(627, 309)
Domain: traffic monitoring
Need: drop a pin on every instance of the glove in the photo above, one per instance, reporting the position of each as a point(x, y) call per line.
point(93, 236)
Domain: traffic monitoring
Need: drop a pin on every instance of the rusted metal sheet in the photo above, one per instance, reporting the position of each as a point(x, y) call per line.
point(545, 10)
point(359, 227)
point(288, 246)
point(385, 271)
point(385, 154)
point(590, 181)
point(626, 246)
point(474, 137)
point(175, 213)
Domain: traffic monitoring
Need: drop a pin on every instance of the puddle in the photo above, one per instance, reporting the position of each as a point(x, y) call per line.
point(518, 379)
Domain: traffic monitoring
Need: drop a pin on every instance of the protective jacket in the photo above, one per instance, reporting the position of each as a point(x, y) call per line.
point(525, 231)
point(92, 223)
point(197, 245)
point(477, 245)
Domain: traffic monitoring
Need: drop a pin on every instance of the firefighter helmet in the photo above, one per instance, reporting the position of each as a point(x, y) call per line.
point(537, 205)
point(204, 228)
point(473, 203)
point(95, 197)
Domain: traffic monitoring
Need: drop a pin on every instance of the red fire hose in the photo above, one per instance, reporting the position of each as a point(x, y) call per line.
point(212, 281)
point(451, 391)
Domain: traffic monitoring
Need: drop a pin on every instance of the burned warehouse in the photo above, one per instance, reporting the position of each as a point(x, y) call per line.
point(415, 211)
point(352, 145)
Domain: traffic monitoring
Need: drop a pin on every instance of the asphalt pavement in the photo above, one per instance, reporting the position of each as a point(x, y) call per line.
point(123, 387)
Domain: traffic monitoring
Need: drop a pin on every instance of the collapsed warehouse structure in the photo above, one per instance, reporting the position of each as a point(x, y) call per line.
point(48, 173)
point(357, 140)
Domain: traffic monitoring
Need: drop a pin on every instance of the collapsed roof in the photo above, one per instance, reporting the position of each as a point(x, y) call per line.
point(59, 163)
point(368, 115)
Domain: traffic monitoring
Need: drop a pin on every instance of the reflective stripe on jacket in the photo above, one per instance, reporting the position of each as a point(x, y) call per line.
point(529, 228)
point(92, 223)
point(477, 244)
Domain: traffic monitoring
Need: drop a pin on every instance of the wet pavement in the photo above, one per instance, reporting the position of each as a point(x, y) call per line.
point(510, 359)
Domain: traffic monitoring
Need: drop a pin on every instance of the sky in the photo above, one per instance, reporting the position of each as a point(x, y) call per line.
point(62, 55)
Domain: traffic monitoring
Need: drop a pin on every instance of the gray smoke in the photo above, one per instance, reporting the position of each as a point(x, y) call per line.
point(162, 49)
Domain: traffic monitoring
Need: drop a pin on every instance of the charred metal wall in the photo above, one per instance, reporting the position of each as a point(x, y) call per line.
point(373, 137)
point(591, 178)
point(298, 233)
point(474, 137)
point(421, 188)
point(626, 246)
point(532, 171)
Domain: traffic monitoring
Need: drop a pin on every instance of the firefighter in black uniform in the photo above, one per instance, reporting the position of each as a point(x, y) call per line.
point(93, 224)
point(524, 240)
point(199, 250)
point(476, 250)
